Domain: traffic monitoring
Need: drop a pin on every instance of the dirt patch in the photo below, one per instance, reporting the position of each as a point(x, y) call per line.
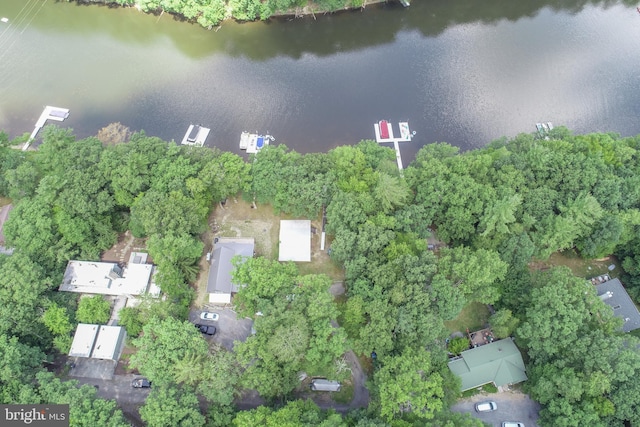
point(122, 368)
point(238, 218)
point(126, 244)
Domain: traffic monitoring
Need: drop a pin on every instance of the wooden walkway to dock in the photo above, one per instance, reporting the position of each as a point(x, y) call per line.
point(49, 113)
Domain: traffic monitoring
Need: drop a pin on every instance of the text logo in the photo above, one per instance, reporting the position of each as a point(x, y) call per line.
point(34, 415)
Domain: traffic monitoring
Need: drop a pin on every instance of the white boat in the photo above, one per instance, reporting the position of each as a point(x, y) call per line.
point(252, 142)
point(549, 125)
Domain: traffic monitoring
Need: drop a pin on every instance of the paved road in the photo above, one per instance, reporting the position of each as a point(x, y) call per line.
point(119, 388)
point(512, 406)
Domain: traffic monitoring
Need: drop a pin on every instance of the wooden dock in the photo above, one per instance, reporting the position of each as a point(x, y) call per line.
point(384, 133)
point(49, 113)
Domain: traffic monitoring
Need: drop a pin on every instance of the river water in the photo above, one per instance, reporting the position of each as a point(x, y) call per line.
point(463, 72)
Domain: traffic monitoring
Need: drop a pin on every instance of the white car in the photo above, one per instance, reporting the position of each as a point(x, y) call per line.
point(512, 424)
point(486, 406)
point(206, 315)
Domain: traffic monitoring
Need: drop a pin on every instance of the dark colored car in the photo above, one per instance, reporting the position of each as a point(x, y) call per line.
point(140, 383)
point(206, 329)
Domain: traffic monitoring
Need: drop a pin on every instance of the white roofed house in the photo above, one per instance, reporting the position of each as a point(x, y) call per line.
point(220, 285)
point(109, 278)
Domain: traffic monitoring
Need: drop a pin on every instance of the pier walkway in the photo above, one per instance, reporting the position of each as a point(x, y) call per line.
point(384, 133)
point(49, 113)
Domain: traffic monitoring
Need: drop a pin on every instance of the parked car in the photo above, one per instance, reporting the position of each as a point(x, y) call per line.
point(512, 424)
point(206, 315)
point(206, 329)
point(140, 383)
point(486, 406)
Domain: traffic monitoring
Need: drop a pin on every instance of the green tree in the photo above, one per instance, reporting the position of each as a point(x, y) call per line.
point(408, 383)
point(85, 408)
point(297, 413)
point(23, 288)
point(93, 309)
point(475, 273)
point(163, 344)
point(57, 320)
point(171, 406)
point(18, 365)
point(458, 345)
point(503, 323)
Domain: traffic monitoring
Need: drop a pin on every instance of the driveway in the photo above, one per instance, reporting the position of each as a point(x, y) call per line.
point(512, 406)
point(229, 327)
point(119, 389)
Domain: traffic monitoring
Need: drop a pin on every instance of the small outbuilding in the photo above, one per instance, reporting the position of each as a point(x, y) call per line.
point(295, 240)
point(325, 385)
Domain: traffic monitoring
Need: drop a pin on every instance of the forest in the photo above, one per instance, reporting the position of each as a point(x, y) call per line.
point(497, 209)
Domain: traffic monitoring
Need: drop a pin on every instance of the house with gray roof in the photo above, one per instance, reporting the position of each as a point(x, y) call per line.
point(499, 363)
point(615, 296)
point(220, 285)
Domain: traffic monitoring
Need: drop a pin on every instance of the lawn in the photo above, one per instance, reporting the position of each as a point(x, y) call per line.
point(473, 316)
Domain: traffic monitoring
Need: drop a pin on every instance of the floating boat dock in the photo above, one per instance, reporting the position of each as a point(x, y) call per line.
point(196, 135)
point(50, 113)
point(544, 128)
point(384, 133)
point(252, 142)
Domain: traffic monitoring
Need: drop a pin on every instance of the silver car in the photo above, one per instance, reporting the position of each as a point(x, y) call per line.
point(486, 406)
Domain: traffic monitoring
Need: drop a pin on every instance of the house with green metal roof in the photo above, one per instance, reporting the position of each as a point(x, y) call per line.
point(499, 363)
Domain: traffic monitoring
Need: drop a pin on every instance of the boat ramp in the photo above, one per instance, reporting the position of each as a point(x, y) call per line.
point(49, 113)
point(196, 135)
point(384, 133)
point(252, 142)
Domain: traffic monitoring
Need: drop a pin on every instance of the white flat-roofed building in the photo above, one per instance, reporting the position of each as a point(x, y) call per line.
point(108, 278)
point(295, 240)
point(98, 341)
point(83, 340)
point(109, 343)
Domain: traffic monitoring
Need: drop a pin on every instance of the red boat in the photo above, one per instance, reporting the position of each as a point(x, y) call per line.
point(384, 129)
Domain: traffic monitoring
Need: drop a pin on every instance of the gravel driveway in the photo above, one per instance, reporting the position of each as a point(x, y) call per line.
point(229, 327)
point(512, 406)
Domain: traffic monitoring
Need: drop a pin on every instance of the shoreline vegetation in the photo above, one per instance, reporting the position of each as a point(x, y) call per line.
point(215, 12)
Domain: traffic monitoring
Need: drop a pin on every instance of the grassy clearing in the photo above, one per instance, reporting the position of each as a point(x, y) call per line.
point(345, 395)
point(578, 266)
point(4, 201)
point(473, 316)
point(487, 389)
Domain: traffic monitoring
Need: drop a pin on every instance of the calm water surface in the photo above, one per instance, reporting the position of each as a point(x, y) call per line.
point(464, 73)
